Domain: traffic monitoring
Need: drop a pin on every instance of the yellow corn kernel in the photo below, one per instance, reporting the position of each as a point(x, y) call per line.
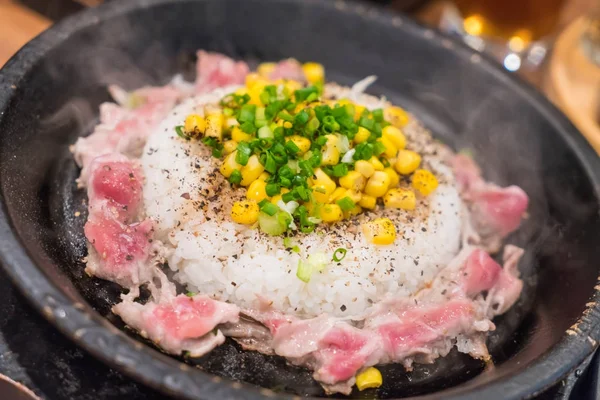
point(275, 199)
point(378, 184)
point(400, 198)
point(330, 153)
point(397, 116)
point(264, 176)
point(394, 177)
point(390, 148)
point(302, 143)
point(287, 124)
point(194, 125)
point(358, 110)
point(256, 191)
point(369, 378)
point(239, 135)
point(424, 181)
point(255, 93)
point(253, 78)
point(407, 162)
point(380, 231)
point(395, 136)
point(354, 211)
point(265, 69)
point(229, 146)
point(378, 165)
point(314, 72)
point(245, 212)
point(353, 180)
point(214, 126)
point(322, 186)
point(362, 135)
point(229, 165)
point(367, 201)
point(251, 171)
point(365, 168)
point(289, 85)
point(331, 213)
point(337, 194)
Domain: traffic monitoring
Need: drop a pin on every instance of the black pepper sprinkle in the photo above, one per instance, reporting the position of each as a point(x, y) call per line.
point(343, 308)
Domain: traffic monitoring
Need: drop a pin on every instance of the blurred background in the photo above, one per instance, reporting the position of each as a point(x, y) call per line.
point(553, 44)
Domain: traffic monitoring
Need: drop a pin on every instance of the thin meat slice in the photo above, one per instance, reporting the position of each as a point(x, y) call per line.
point(121, 130)
point(495, 212)
point(180, 324)
point(508, 287)
point(480, 273)
point(216, 70)
point(115, 181)
point(118, 252)
point(343, 350)
point(288, 69)
point(498, 210)
point(418, 329)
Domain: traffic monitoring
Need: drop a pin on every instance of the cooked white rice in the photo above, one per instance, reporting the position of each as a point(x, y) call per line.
point(190, 200)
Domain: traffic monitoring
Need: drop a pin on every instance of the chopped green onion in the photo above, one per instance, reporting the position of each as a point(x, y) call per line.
point(302, 94)
point(385, 162)
point(302, 193)
point(235, 177)
point(339, 254)
point(378, 148)
point(292, 148)
point(247, 113)
point(321, 140)
point(304, 271)
point(217, 153)
point(346, 204)
point(248, 127)
point(287, 242)
point(285, 182)
point(228, 112)
point(366, 123)
point(269, 163)
point(330, 125)
point(301, 118)
point(190, 294)
point(274, 225)
point(284, 115)
point(265, 133)
point(269, 208)
point(181, 133)
point(289, 196)
point(377, 115)
point(312, 125)
point(272, 189)
point(286, 171)
point(340, 170)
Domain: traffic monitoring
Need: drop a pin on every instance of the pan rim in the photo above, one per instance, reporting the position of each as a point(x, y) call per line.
point(167, 374)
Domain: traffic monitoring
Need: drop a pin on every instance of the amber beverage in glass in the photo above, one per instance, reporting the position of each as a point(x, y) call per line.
point(518, 20)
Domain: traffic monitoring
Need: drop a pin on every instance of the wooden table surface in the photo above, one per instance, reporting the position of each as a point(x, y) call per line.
point(18, 25)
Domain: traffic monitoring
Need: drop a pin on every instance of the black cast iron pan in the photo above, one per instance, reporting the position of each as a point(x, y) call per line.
point(50, 92)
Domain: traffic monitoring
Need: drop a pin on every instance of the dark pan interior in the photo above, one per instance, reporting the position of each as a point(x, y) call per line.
point(460, 98)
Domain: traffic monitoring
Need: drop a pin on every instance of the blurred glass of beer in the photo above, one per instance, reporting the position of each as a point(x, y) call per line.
point(518, 21)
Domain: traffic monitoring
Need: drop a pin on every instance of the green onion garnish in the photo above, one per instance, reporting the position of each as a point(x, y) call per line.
point(272, 189)
point(340, 170)
point(269, 208)
point(181, 133)
point(378, 148)
point(377, 115)
point(235, 177)
point(247, 113)
point(265, 133)
point(304, 271)
point(292, 148)
point(339, 254)
point(346, 204)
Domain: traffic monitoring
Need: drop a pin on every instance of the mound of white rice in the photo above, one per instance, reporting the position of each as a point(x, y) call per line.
point(190, 200)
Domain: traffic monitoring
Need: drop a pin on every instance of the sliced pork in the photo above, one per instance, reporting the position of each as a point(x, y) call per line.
point(179, 324)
